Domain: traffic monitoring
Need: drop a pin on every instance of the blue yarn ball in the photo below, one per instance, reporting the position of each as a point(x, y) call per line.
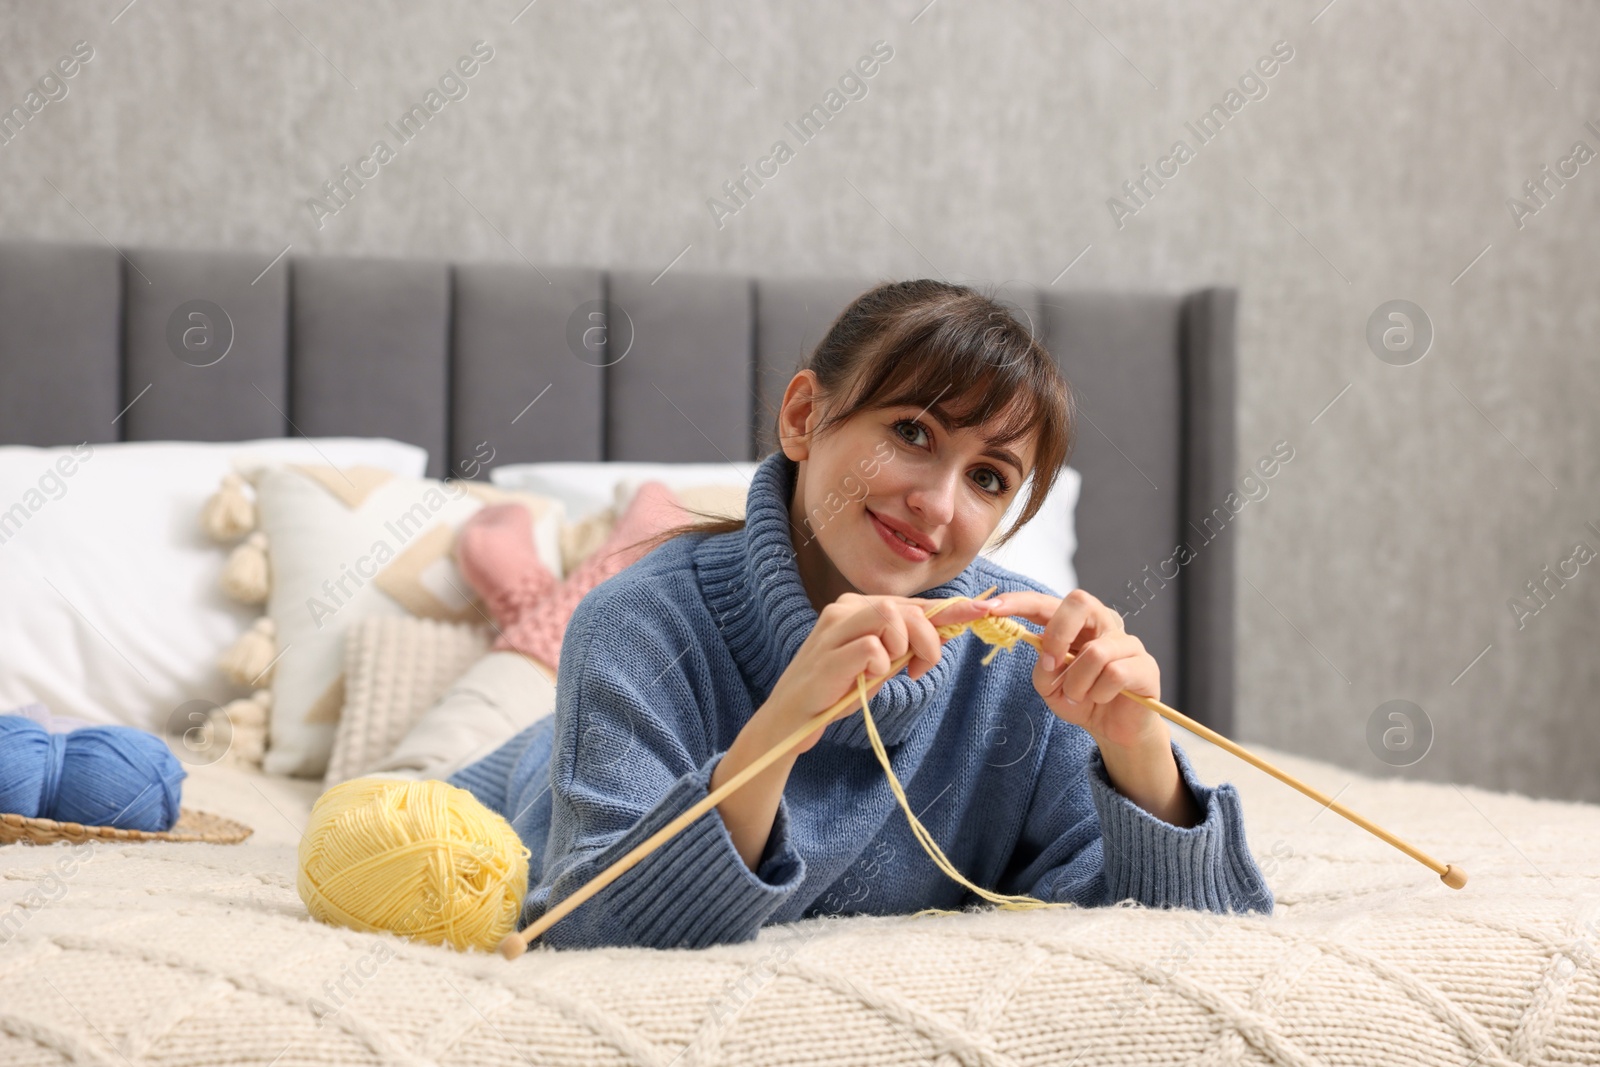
point(94, 775)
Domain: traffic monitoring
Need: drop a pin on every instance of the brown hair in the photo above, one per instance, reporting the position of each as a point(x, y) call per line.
point(930, 343)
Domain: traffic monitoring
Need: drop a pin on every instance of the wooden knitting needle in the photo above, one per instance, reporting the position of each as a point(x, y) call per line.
point(1448, 873)
point(514, 945)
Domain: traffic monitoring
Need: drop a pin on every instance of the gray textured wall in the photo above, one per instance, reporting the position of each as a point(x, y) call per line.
point(1375, 164)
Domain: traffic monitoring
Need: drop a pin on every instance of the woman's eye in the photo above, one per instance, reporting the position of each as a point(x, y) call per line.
point(998, 487)
point(1000, 484)
point(914, 426)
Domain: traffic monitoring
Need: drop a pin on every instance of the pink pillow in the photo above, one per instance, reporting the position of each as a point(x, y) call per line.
point(537, 634)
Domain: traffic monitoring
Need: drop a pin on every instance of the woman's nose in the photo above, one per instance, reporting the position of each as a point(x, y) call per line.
point(934, 502)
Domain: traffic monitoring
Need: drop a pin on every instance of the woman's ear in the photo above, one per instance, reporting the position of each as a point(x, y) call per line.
point(799, 412)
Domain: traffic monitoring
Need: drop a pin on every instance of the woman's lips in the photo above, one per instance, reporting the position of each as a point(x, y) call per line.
point(892, 539)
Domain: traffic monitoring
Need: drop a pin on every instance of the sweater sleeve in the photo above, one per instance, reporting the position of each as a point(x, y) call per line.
point(1085, 842)
point(630, 755)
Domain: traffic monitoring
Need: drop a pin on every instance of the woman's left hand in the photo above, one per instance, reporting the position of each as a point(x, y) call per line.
point(1108, 659)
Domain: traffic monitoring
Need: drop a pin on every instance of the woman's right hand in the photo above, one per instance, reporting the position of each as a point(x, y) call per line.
point(858, 633)
point(855, 634)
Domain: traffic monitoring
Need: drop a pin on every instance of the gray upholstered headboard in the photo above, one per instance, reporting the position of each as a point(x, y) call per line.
point(689, 368)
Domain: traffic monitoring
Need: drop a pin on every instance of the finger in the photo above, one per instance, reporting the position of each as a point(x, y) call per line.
point(865, 655)
point(1080, 619)
point(960, 611)
point(879, 616)
point(959, 616)
point(1133, 674)
point(1026, 603)
point(1083, 676)
point(1064, 619)
point(925, 642)
point(1112, 618)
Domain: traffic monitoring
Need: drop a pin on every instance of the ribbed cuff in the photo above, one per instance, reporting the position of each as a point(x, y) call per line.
point(1206, 867)
point(691, 892)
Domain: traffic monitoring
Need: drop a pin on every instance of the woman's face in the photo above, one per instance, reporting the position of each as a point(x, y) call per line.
point(892, 469)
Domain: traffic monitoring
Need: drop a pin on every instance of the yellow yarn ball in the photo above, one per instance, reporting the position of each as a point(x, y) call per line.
point(422, 859)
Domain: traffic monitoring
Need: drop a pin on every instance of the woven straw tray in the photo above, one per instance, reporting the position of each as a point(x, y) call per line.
point(192, 825)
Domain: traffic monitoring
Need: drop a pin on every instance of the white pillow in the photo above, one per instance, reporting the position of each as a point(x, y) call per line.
point(110, 609)
point(1043, 549)
point(588, 488)
point(346, 548)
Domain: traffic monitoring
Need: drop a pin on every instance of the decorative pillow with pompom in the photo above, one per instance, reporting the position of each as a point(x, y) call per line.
point(323, 548)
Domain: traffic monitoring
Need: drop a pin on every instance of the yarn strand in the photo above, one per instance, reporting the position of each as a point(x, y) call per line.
point(1001, 634)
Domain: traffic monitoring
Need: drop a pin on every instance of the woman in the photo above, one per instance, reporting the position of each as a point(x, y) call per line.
point(905, 437)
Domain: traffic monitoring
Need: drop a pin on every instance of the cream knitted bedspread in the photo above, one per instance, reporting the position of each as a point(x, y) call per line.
point(204, 954)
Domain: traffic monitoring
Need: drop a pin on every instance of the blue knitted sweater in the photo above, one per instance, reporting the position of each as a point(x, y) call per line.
point(664, 662)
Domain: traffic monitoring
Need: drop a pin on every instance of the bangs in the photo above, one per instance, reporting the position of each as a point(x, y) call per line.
point(970, 375)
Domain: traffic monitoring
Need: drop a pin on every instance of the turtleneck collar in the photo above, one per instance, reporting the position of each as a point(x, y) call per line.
point(752, 585)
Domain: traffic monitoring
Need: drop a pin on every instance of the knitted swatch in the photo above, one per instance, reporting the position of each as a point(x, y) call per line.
point(495, 553)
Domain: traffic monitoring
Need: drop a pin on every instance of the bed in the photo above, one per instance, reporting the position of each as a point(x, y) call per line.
point(157, 953)
point(160, 953)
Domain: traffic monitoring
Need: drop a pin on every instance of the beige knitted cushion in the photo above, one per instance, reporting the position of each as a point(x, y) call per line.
point(395, 668)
